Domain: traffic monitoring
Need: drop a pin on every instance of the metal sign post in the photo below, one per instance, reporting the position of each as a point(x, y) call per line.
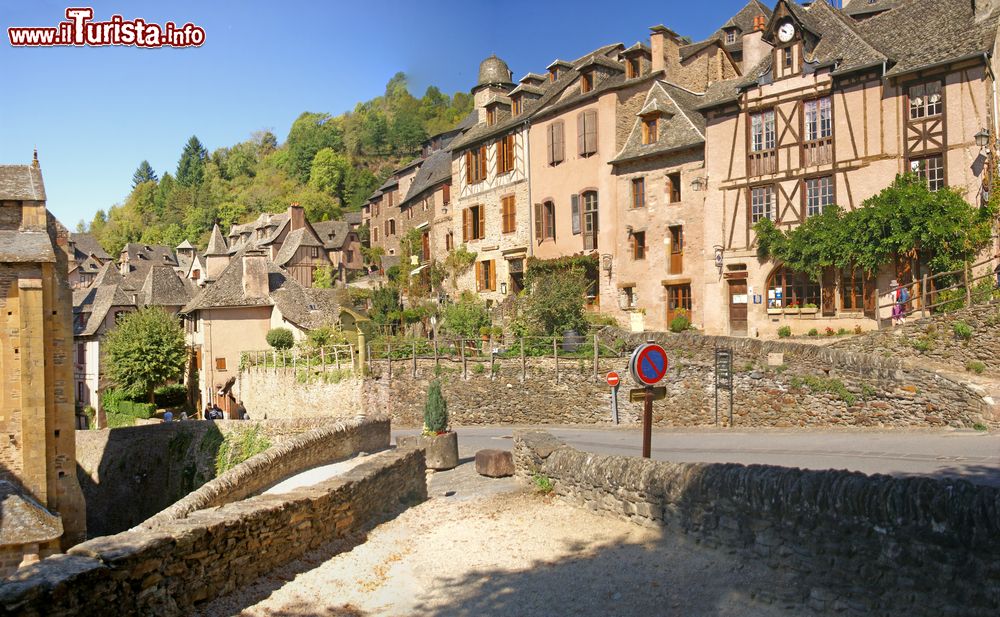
point(614, 380)
point(648, 365)
point(724, 380)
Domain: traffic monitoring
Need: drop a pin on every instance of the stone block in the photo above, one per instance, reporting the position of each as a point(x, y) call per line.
point(494, 463)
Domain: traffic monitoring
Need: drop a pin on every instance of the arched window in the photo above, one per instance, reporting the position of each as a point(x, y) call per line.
point(786, 288)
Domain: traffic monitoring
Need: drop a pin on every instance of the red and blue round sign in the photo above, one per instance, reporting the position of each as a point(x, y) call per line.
point(648, 364)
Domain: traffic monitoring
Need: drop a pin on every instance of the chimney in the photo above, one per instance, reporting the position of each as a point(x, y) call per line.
point(296, 216)
point(34, 159)
point(255, 274)
point(656, 39)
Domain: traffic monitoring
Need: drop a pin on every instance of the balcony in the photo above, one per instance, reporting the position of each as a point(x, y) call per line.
point(817, 152)
point(762, 163)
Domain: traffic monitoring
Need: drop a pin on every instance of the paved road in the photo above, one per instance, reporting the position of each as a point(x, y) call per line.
point(972, 455)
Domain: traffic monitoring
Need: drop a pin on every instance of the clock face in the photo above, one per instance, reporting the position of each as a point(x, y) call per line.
point(786, 32)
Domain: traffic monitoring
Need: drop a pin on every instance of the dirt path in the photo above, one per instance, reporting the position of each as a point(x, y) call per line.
point(492, 548)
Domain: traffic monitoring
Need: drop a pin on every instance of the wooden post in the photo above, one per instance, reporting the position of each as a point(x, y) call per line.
point(878, 310)
point(414, 359)
point(388, 358)
point(465, 368)
point(597, 355)
point(322, 359)
point(968, 286)
point(523, 365)
point(436, 364)
point(336, 358)
point(555, 353)
point(923, 296)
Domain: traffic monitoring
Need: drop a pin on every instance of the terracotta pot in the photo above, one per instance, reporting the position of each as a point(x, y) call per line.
point(441, 451)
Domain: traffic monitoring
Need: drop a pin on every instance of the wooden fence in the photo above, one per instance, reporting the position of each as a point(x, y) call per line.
point(925, 295)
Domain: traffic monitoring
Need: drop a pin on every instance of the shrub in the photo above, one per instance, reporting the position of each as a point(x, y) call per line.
point(857, 329)
point(681, 322)
point(172, 395)
point(812, 332)
point(435, 410)
point(924, 343)
point(843, 331)
point(466, 317)
point(962, 330)
point(784, 331)
point(479, 368)
point(867, 391)
point(829, 331)
point(555, 303)
point(825, 384)
point(542, 483)
point(123, 412)
point(280, 338)
point(239, 446)
point(979, 426)
point(975, 366)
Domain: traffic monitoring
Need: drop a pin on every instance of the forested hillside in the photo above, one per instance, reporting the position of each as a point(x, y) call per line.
point(329, 164)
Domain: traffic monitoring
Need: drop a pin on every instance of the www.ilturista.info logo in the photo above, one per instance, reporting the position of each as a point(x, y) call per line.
point(80, 30)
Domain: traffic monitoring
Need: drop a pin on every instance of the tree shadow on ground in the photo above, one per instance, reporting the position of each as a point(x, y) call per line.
point(985, 475)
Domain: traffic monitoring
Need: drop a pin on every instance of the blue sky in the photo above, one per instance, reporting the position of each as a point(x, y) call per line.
point(95, 113)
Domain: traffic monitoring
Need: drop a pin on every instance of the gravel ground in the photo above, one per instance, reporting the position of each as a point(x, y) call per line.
point(490, 547)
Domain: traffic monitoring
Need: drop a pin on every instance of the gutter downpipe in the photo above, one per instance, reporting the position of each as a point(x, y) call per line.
point(527, 177)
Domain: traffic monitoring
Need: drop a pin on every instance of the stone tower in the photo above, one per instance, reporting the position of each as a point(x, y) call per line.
point(495, 81)
point(37, 413)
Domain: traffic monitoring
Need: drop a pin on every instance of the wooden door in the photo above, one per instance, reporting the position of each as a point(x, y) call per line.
point(829, 292)
point(676, 250)
point(678, 299)
point(738, 307)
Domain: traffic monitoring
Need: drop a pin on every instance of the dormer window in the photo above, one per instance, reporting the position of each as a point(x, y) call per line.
point(586, 82)
point(730, 36)
point(554, 73)
point(632, 68)
point(515, 105)
point(491, 116)
point(650, 132)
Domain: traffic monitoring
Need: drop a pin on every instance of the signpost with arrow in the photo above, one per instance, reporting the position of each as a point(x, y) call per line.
point(648, 366)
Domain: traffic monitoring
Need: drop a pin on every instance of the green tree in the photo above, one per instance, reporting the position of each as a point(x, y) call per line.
point(310, 133)
point(329, 173)
point(465, 317)
point(555, 303)
point(435, 410)
point(323, 277)
point(145, 350)
point(144, 173)
point(280, 338)
point(386, 309)
point(191, 166)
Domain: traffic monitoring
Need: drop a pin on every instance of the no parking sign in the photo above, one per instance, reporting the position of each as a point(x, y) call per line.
point(648, 364)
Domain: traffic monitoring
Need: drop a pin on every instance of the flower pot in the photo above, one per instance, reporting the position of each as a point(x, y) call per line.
point(774, 311)
point(791, 311)
point(810, 311)
point(440, 451)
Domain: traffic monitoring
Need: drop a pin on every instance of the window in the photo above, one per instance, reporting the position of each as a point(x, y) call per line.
point(818, 119)
point(678, 299)
point(545, 221)
point(409, 213)
point(505, 154)
point(555, 142)
point(639, 245)
point(374, 234)
point(676, 240)
point(389, 198)
point(931, 169)
point(674, 187)
point(590, 223)
point(586, 133)
point(638, 192)
point(632, 68)
point(629, 297)
point(852, 290)
point(119, 315)
point(491, 116)
point(787, 55)
point(925, 100)
point(314, 252)
point(81, 353)
point(449, 241)
point(515, 105)
point(348, 256)
point(761, 203)
point(649, 129)
point(730, 36)
point(196, 274)
point(473, 223)
point(791, 289)
point(475, 165)
point(390, 227)
point(220, 364)
point(819, 194)
point(762, 131)
point(486, 276)
point(375, 210)
point(586, 82)
point(509, 212)
point(446, 194)
point(553, 73)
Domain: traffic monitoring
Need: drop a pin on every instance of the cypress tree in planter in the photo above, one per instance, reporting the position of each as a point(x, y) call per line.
point(440, 444)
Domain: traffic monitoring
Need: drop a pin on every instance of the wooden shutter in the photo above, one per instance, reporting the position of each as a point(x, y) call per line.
point(575, 213)
point(590, 132)
point(559, 146)
point(466, 225)
point(482, 162)
point(479, 276)
point(493, 274)
point(550, 144)
point(482, 222)
point(468, 167)
point(539, 229)
point(581, 129)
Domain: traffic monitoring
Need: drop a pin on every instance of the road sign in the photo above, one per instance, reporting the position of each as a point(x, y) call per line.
point(648, 364)
point(638, 395)
point(613, 379)
point(724, 380)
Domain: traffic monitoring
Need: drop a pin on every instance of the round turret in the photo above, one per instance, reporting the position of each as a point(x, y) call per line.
point(494, 72)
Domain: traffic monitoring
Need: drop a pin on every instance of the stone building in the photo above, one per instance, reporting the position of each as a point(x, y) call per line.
point(830, 115)
point(658, 254)
point(288, 238)
point(40, 492)
point(86, 257)
point(342, 245)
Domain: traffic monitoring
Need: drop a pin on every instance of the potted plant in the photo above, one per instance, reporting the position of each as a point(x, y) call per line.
point(809, 308)
point(792, 308)
point(774, 307)
point(439, 442)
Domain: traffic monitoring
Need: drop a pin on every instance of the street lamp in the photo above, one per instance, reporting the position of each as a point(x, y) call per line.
point(983, 138)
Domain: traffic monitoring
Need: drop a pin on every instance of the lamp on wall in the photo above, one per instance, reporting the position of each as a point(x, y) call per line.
point(606, 260)
point(699, 184)
point(987, 143)
point(718, 257)
point(982, 138)
point(503, 288)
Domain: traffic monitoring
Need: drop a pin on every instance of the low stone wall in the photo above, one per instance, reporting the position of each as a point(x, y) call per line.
point(838, 541)
point(129, 474)
point(320, 446)
point(935, 337)
point(278, 393)
point(175, 565)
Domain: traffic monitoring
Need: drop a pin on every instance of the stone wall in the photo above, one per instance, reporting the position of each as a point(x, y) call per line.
point(838, 541)
point(320, 446)
point(809, 386)
point(933, 338)
point(277, 393)
point(169, 569)
point(129, 474)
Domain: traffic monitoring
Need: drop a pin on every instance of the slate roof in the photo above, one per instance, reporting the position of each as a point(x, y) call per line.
point(185, 245)
point(163, 287)
point(332, 233)
point(304, 307)
point(89, 265)
point(742, 21)
point(24, 520)
point(862, 8)
point(435, 170)
point(98, 300)
point(293, 241)
point(21, 183)
point(216, 244)
point(26, 247)
point(142, 257)
point(354, 218)
point(681, 125)
point(86, 244)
